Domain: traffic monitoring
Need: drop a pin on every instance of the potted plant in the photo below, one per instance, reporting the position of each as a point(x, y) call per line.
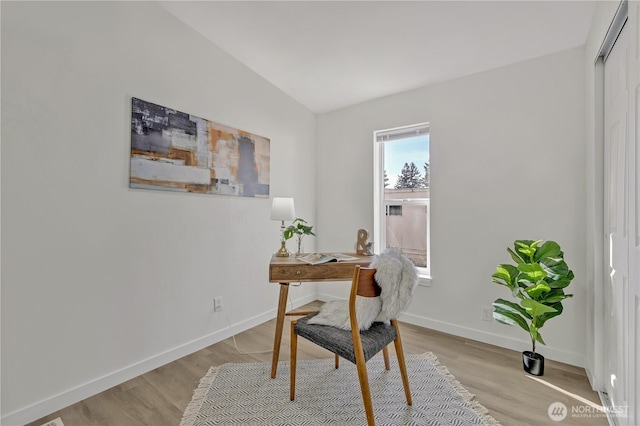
point(537, 280)
point(299, 228)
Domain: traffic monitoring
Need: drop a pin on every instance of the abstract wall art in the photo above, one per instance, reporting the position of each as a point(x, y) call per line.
point(176, 151)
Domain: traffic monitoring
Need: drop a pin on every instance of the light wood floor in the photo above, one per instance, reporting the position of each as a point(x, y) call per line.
point(493, 374)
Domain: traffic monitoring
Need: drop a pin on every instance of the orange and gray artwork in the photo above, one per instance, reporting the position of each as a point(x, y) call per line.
point(176, 151)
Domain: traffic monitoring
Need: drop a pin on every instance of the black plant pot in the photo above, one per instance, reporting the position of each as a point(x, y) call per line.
point(533, 363)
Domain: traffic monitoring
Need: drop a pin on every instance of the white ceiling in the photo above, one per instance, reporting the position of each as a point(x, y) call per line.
point(332, 54)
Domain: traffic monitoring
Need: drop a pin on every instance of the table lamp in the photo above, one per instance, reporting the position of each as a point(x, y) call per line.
point(282, 209)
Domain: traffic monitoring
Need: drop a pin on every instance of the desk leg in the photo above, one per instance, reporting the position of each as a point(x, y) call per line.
point(282, 307)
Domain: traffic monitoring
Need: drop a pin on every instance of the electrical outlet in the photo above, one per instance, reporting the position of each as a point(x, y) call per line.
point(217, 304)
point(487, 313)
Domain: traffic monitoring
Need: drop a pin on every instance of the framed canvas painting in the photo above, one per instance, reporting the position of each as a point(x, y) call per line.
point(176, 151)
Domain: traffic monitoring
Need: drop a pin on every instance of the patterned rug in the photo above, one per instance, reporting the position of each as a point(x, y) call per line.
point(243, 394)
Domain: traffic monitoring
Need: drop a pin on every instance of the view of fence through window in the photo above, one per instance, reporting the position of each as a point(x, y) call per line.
point(405, 167)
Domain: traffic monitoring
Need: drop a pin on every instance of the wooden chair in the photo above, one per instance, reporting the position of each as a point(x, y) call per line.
point(354, 345)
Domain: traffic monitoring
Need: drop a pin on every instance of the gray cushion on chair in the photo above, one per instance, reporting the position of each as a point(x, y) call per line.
point(340, 342)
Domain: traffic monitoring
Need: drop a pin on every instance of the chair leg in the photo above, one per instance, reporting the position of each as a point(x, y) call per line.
point(361, 366)
point(337, 361)
point(385, 354)
point(364, 388)
point(401, 362)
point(292, 362)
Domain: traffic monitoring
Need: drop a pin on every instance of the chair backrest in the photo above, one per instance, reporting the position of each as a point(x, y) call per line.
point(364, 283)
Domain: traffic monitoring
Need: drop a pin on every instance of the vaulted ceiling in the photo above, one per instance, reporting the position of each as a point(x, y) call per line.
point(331, 54)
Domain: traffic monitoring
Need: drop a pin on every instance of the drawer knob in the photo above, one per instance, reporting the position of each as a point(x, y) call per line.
point(298, 272)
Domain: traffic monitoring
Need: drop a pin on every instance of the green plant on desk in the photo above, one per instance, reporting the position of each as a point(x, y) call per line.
point(299, 228)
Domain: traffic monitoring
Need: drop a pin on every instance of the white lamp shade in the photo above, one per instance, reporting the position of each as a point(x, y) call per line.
point(283, 209)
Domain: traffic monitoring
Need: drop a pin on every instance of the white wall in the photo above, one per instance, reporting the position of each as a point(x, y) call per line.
point(100, 282)
point(507, 162)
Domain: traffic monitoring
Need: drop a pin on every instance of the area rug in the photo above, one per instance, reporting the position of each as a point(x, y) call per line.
point(244, 394)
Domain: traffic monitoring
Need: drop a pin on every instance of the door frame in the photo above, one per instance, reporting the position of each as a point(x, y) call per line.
point(627, 13)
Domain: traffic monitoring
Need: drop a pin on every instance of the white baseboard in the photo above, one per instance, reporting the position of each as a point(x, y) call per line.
point(592, 379)
point(493, 339)
point(71, 396)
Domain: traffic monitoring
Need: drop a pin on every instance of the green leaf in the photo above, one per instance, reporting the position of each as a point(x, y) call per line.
point(522, 244)
point(555, 267)
point(298, 227)
point(507, 273)
point(532, 271)
point(503, 273)
point(526, 247)
point(511, 307)
point(537, 290)
point(499, 281)
point(524, 282)
point(509, 318)
point(289, 232)
point(547, 316)
point(553, 299)
point(307, 230)
point(548, 249)
point(562, 282)
point(516, 258)
point(535, 308)
point(554, 296)
point(527, 251)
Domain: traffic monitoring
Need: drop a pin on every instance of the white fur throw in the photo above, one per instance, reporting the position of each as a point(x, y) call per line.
point(397, 277)
point(336, 313)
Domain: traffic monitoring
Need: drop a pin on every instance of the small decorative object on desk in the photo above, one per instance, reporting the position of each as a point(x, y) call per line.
point(369, 249)
point(299, 228)
point(361, 244)
point(317, 258)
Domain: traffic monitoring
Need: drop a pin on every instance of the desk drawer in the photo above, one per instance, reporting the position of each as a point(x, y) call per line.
point(323, 272)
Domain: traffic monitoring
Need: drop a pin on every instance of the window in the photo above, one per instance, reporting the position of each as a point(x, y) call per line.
point(401, 198)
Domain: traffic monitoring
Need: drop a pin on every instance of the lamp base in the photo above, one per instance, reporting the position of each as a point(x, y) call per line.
point(283, 252)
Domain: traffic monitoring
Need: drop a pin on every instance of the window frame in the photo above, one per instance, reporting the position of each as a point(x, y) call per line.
point(380, 204)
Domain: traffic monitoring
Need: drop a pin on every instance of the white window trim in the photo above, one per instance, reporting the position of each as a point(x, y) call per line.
point(379, 204)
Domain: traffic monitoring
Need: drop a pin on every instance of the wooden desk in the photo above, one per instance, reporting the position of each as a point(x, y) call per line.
point(285, 270)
